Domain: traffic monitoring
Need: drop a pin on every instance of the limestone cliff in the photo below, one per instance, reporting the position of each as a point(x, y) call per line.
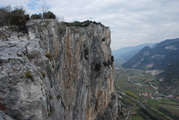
point(57, 72)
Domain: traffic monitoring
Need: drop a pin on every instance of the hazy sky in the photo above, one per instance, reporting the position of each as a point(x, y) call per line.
point(132, 22)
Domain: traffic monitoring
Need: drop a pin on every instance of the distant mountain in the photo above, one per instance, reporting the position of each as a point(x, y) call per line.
point(126, 53)
point(170, 83)
point(158, 57)
point(163, 56)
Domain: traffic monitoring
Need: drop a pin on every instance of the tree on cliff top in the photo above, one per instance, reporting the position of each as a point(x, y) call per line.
point(16, 17)
point(49, 15)
point(19, 18)
point(5, 15)
point(36, 16)
point(46, 15)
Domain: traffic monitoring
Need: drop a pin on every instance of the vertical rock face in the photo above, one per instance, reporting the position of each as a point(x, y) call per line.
point(57, 72)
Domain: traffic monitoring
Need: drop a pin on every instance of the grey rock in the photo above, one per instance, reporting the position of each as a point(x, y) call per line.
point(3, 116)
point(57, 72)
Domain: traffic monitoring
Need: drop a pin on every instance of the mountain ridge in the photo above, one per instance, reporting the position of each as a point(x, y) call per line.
point(163, 53)
point(163, 56)
point(124, 54)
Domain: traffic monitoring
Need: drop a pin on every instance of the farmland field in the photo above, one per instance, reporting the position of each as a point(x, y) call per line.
point(144, 85)
point(136, 117)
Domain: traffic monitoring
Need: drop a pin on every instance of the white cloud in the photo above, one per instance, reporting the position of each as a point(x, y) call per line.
point(131, 22)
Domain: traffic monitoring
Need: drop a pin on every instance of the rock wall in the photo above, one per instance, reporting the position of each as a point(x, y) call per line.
point(55, 72)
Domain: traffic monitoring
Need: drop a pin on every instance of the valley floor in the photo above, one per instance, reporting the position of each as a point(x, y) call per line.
point(143, 86)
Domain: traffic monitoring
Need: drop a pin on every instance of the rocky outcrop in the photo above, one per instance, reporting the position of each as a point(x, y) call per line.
point(55, 72)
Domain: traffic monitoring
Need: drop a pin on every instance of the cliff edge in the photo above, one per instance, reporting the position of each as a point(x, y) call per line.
point(57, 71)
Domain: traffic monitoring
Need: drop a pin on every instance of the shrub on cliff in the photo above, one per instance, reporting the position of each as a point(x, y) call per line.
point(46, 15)
point(49, 15)
point(97, 67)
point(19, 18)
point(15, 17)
point(36, 16)
point(49, 56)
point(4, 15)
point(29, 75)
point(82, 24)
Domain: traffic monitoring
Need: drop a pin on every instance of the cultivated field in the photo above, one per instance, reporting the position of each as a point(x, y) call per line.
point(145, 86)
